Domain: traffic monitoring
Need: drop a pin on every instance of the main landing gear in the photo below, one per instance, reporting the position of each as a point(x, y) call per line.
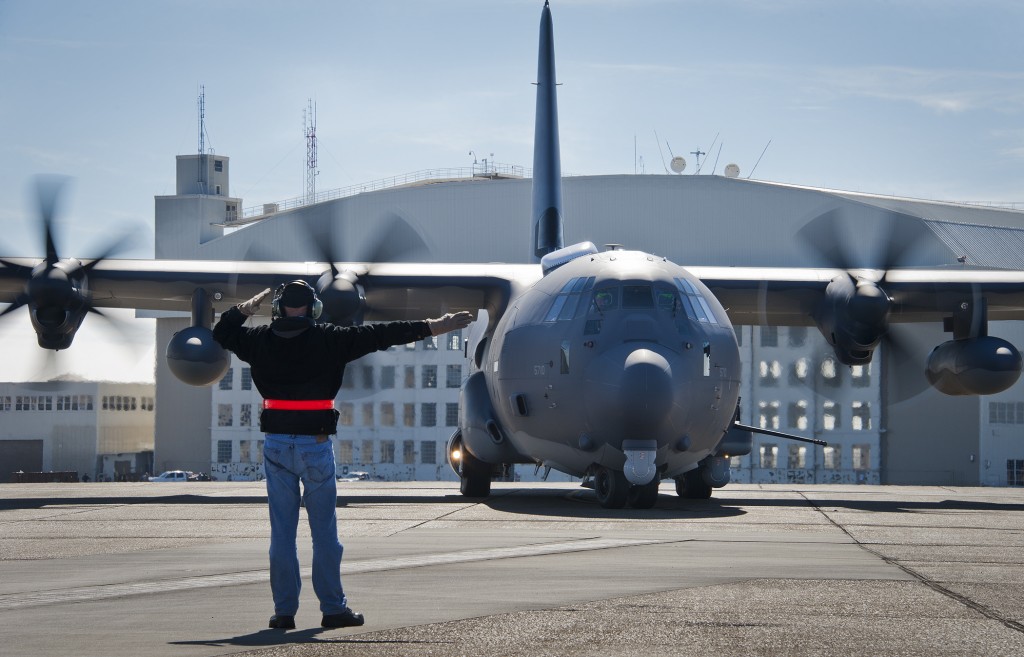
point(615, 492)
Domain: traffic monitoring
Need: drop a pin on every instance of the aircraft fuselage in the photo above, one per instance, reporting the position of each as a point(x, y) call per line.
point(613, 351)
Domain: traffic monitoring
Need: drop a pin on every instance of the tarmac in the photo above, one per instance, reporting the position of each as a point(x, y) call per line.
point(147, 569)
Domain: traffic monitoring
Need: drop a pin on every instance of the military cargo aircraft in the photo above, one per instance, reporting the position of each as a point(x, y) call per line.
point(613, 365)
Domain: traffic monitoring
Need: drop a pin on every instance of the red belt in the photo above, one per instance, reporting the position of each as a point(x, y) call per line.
point(299, 404)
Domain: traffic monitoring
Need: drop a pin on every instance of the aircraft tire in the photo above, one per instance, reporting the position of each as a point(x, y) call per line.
point(692, 486)
point(612, 488)
point(474, 477)
point(644, 496)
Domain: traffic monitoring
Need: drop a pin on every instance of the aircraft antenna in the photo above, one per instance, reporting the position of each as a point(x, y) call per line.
point(657, 140)
point(713, 142)
point(759, 158)
point(698, 153)
point(309, 130)
point(717, 155)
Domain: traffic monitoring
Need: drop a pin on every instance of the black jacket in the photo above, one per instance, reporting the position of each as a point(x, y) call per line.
point(295, 358)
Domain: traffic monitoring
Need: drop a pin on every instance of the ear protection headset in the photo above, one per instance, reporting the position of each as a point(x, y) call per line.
point(316, 307)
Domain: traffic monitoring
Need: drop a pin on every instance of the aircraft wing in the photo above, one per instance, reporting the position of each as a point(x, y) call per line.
point(392, 291)
point(788, 296)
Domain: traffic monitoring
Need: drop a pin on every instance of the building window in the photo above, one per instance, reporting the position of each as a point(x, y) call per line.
point(148, 403)
point(430, 343)
point(368, 377)
point(410, 376)
point(1006, 412)
point(833, 458)
point(387, 451)
point(797, 457)
point(409, 414)
point(224, 415)
point(428, 376)
point(366, 451)
point(227, 380)
point(387, 377)
point(428, 452)
point(5, 403)
point(769, 336)
point(769, 455)
point(797, 336)
point(862, 457)
point(243, 452)
point(830, 373)
point(345, 413)
point(451, 414)
point(344, 451)
point(218, 165)
point(428, 415)
point(799, 371)
point(830, 416)
point(367, 414)
point(1015, 472)
point(798, 415)
point(408, 452)
point(246, 378)
point(769, 415)
point(387, 414)
point(454, 340)
point(224, 451)
point(453, 376)
point(245, 415)
point(770, 372)
point(861, 375)
point(259, 451)
point(861, 417)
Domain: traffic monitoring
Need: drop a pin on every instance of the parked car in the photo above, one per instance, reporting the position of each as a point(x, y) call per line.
point(355, 476)
point(171, 475)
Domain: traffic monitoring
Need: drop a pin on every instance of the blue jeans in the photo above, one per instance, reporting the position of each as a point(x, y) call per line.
point(289, 459)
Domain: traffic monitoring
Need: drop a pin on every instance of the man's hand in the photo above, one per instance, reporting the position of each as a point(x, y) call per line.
point(449, 322)
point(249, 308)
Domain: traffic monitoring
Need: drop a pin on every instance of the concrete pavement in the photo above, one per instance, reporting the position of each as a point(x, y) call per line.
point(537, 569)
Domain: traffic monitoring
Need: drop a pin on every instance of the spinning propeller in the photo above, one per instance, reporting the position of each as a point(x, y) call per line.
point(56, 289)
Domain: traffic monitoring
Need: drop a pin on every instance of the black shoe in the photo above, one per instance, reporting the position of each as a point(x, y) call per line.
point(347, 618)
point(278, 622)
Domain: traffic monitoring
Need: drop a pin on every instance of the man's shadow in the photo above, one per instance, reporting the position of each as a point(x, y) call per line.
point(266, 637)
point(272, 637)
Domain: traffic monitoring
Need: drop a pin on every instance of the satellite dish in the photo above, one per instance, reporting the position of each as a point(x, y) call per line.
point(678, 164)
point(732, 171)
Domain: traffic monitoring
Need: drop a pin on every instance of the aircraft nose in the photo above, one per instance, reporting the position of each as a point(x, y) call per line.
point(645, 389)
point(630, 391)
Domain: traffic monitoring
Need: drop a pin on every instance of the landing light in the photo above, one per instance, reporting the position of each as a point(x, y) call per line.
point(456, 454)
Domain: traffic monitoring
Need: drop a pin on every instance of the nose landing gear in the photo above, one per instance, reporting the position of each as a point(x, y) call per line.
point(614, 491)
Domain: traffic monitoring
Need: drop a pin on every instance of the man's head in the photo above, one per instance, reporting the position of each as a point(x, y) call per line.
point(296, 299)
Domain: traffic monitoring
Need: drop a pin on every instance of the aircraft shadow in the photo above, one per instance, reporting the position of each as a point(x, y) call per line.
point(583, 503)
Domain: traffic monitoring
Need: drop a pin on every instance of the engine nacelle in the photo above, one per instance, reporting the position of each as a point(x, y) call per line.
point(976, 366)
point(195, 358)
point(481, 433)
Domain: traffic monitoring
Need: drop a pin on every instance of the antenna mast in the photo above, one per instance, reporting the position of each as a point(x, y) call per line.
point(309, 130)
point(202, 141)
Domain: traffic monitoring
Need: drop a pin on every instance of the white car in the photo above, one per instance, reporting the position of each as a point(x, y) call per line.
point(171, 475)
point(355, 476)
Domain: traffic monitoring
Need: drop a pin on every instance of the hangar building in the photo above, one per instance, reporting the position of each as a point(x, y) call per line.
point(882, 424)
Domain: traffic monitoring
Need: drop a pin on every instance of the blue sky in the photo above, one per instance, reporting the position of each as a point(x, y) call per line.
point(921, 98)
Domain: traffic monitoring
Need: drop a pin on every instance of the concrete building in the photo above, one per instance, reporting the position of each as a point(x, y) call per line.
point(883, 424)
point(103, 430)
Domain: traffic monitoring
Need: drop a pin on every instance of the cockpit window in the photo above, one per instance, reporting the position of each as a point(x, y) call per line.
point(605, 299)
point(696, 306)
point(637, 296)
point(567, 300)
point(666, 299)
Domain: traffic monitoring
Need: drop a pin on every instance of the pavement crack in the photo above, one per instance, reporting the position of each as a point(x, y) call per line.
point(921, 577)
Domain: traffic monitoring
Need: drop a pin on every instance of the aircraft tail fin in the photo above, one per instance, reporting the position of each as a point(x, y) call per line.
point(547, 167)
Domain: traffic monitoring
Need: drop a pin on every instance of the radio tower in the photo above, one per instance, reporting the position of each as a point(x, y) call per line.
point(202, 142)
point(309, 129)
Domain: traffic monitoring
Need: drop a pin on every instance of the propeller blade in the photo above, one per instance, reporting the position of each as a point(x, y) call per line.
point(20, 301)
point(394, 240)
point(48, 191)
point(126, 241)
point(823, 235)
